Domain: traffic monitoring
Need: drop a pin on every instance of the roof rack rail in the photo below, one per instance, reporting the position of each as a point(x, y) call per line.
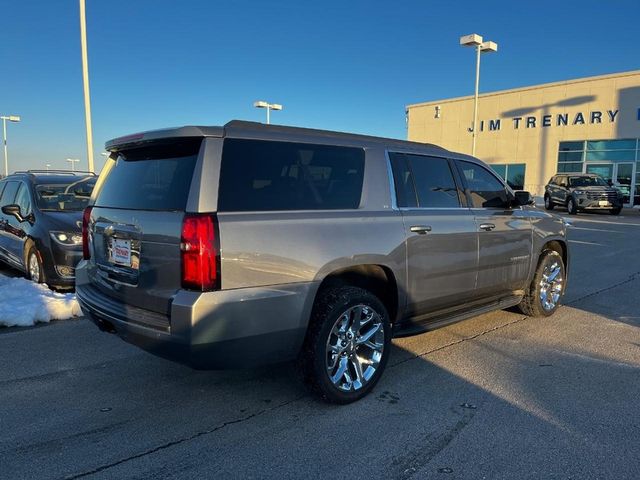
point(56, 172)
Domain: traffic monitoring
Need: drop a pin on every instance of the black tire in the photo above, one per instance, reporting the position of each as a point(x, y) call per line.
point(329, 308)
point(615, 211)
point(532, 304)
point(34, 256)
point(572, 208)
point(548, 203)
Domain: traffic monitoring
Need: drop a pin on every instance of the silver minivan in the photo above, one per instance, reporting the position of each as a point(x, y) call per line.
point(234, 246)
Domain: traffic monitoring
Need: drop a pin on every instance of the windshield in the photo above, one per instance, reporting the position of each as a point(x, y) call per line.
point(69, 196)
point(587, 182)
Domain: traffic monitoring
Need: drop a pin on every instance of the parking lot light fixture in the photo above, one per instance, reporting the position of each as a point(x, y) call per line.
point(11, 118)
point(85, 83)
point(73, 162)
point(268, 106)
point(476, 41)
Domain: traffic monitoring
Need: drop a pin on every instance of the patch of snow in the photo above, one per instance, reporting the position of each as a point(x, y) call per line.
point(24, 303)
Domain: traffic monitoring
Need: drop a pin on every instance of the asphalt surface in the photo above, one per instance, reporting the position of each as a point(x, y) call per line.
point(497, 396)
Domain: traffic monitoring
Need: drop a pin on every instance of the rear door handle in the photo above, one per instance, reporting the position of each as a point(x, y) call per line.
point(487, 227)
point(421, 229)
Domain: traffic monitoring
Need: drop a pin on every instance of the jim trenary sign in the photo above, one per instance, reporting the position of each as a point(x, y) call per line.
point(555, 120)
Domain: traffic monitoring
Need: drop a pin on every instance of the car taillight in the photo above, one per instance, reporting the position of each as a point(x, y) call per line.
point(200, 254)
point(86, 216)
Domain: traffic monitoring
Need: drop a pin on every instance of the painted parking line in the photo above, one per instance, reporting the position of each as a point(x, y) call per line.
point(572, 227)
point(587, 243)
point(574, 220)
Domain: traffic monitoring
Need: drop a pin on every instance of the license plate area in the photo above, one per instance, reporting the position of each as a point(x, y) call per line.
point(603, 203)
point(123, 252)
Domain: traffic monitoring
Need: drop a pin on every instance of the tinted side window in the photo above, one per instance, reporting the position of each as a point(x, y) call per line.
point(258, 175)
point(485, 190)
point(156, 177)
point(9, 193)
point(23, 200)
point(434, 182)
point(403, 181)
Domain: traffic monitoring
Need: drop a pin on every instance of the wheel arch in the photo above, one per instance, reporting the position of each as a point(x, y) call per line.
point(378, 279)
point(559, 246)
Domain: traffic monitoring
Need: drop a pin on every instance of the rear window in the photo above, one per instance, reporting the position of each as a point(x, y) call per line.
point(154, 177)
point(73, 194)
point(262, 175)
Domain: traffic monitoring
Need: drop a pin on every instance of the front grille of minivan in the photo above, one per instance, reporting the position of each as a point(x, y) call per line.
point(98, 301)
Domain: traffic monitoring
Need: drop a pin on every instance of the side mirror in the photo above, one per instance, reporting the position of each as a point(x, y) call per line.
point(523, 198)
point(13, 210)
point(610, 182)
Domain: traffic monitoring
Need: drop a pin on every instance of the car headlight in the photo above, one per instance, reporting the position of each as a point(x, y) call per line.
point(66, 238)
point(580, 192)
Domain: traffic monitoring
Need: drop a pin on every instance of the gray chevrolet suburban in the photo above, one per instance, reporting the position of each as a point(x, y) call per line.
point(227, 247)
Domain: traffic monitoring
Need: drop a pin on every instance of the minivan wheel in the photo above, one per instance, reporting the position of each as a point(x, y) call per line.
point(571, 206)
point(547, 288)
point(35, 271)
point(347, 344)
point(548, 203)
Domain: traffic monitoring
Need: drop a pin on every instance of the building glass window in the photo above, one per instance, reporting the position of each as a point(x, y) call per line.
point(570, 157)
point(611, 145)
point(512, 173)
point(611, 150)
point(612, 155)
point(636, 196)
point(571, 146)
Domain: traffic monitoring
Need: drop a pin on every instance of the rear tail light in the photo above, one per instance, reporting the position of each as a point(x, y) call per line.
point(200, 252)
point(86, 216)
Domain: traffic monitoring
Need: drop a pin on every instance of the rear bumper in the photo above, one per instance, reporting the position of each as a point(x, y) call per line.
point(213, 330)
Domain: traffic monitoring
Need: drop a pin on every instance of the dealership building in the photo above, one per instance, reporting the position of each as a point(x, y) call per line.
point(528, 134)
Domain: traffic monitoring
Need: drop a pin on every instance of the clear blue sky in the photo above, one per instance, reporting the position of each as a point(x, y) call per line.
point(343, 65)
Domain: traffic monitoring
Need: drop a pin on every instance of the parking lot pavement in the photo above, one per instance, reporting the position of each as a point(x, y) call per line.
point(497, 396)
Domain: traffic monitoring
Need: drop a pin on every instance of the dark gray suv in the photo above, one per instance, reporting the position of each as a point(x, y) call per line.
point(582, 192)
point(224, 247)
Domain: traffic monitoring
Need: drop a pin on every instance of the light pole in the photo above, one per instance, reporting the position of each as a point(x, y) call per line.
point(475, 40)
point(85, 84)
point(11, 118)
point(268, 106)
point(73, 162)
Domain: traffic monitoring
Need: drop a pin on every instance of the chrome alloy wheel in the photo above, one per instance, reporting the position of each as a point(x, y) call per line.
point(551, 285)
point(354, 348)
point(34, 267)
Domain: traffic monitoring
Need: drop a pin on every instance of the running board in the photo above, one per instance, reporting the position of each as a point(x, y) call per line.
point(413, 327)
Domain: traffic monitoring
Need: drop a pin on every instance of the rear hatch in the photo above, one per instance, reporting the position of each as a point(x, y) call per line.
point(136, 224)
